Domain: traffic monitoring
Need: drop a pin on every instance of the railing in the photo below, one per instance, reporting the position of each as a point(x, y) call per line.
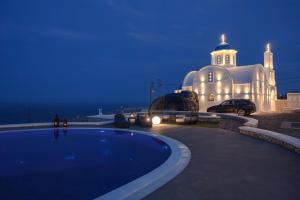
point(50, 125)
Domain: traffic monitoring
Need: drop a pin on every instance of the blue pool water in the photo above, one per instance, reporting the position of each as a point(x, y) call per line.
point(74, 163)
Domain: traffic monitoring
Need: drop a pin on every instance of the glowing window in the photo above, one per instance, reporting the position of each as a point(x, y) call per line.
point(210, 77)
point(227, 59)
point(211, 97)
point(219, 59)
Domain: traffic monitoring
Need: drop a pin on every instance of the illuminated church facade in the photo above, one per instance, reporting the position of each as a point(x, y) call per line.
point(223, 80)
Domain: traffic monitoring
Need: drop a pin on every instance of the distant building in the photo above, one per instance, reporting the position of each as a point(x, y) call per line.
point(293, 100)
point(223, 79)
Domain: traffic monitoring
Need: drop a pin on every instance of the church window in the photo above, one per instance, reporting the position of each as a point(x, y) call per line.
point(219, 60)
point(227, 59)
point(211, 97)
point(210, 77)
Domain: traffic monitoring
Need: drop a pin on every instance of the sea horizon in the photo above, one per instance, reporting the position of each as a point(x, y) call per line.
point(14, 113)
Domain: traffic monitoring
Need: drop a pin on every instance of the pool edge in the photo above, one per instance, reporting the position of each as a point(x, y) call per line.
point(148, 183)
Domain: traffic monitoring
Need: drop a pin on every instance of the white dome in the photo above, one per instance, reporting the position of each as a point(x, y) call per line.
point(243, 74)
point(189, 78)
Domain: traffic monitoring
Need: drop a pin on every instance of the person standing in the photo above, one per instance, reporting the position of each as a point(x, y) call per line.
point(65, 124)
point(56, 121)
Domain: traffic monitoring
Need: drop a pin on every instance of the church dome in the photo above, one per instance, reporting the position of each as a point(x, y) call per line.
point(189, 78)
point(223, 46)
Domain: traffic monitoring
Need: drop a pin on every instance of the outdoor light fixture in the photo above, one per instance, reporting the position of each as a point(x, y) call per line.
point(210, 77)
point(156, 120)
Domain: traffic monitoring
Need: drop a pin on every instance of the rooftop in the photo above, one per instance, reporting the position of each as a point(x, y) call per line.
point(223, 46)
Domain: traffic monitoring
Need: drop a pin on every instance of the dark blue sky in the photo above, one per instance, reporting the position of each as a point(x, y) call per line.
point(110, 50)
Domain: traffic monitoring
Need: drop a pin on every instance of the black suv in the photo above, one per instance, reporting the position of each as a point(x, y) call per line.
point(239, 106)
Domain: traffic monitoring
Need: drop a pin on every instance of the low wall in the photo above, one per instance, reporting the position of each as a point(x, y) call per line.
point(280, 105)
point(286, 141)
point(50, 125)
point(233, 122)
point(248, 126)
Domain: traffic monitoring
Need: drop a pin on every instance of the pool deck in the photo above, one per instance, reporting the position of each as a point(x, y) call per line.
point(228, 165)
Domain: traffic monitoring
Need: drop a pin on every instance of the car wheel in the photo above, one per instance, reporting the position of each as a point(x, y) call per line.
point(241, 112)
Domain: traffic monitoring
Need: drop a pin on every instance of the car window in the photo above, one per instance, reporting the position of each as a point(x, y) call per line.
point(226, 103)
point(240, 102)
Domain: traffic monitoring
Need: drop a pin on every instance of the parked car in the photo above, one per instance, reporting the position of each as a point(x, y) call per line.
point(120, 121)
point(240, 106)
point(183, 101)
point(143, 119)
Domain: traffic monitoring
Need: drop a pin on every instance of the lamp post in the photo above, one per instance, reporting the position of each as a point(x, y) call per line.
point(158, 87)
point(151, 91)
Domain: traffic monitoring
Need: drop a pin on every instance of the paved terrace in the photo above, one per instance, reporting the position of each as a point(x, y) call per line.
point(273, 122)
point(228, 165)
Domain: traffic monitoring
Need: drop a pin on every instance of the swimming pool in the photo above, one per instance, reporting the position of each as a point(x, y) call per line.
point(86, 163)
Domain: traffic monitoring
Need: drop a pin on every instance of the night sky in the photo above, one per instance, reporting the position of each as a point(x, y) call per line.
point(110, 50)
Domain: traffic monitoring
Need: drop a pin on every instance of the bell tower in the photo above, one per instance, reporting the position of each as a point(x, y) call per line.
point(268, 64)
point(270, 72)
point(268, 57)
point(223, 55)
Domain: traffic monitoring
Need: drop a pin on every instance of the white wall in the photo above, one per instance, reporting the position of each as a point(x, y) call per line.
point(293, 100)
point(220, 88)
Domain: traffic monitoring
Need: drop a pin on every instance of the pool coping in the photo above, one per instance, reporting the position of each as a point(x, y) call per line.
point(144, 185)
point(148, 183)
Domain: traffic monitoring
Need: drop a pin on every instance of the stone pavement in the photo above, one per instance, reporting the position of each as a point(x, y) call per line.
point(228, 165)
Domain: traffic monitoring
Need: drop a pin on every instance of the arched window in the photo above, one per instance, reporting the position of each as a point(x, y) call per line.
point(211, 97)
point(219, 59)
point(227, 59)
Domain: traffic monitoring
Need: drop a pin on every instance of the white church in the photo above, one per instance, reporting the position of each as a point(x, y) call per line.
point(223, 79)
